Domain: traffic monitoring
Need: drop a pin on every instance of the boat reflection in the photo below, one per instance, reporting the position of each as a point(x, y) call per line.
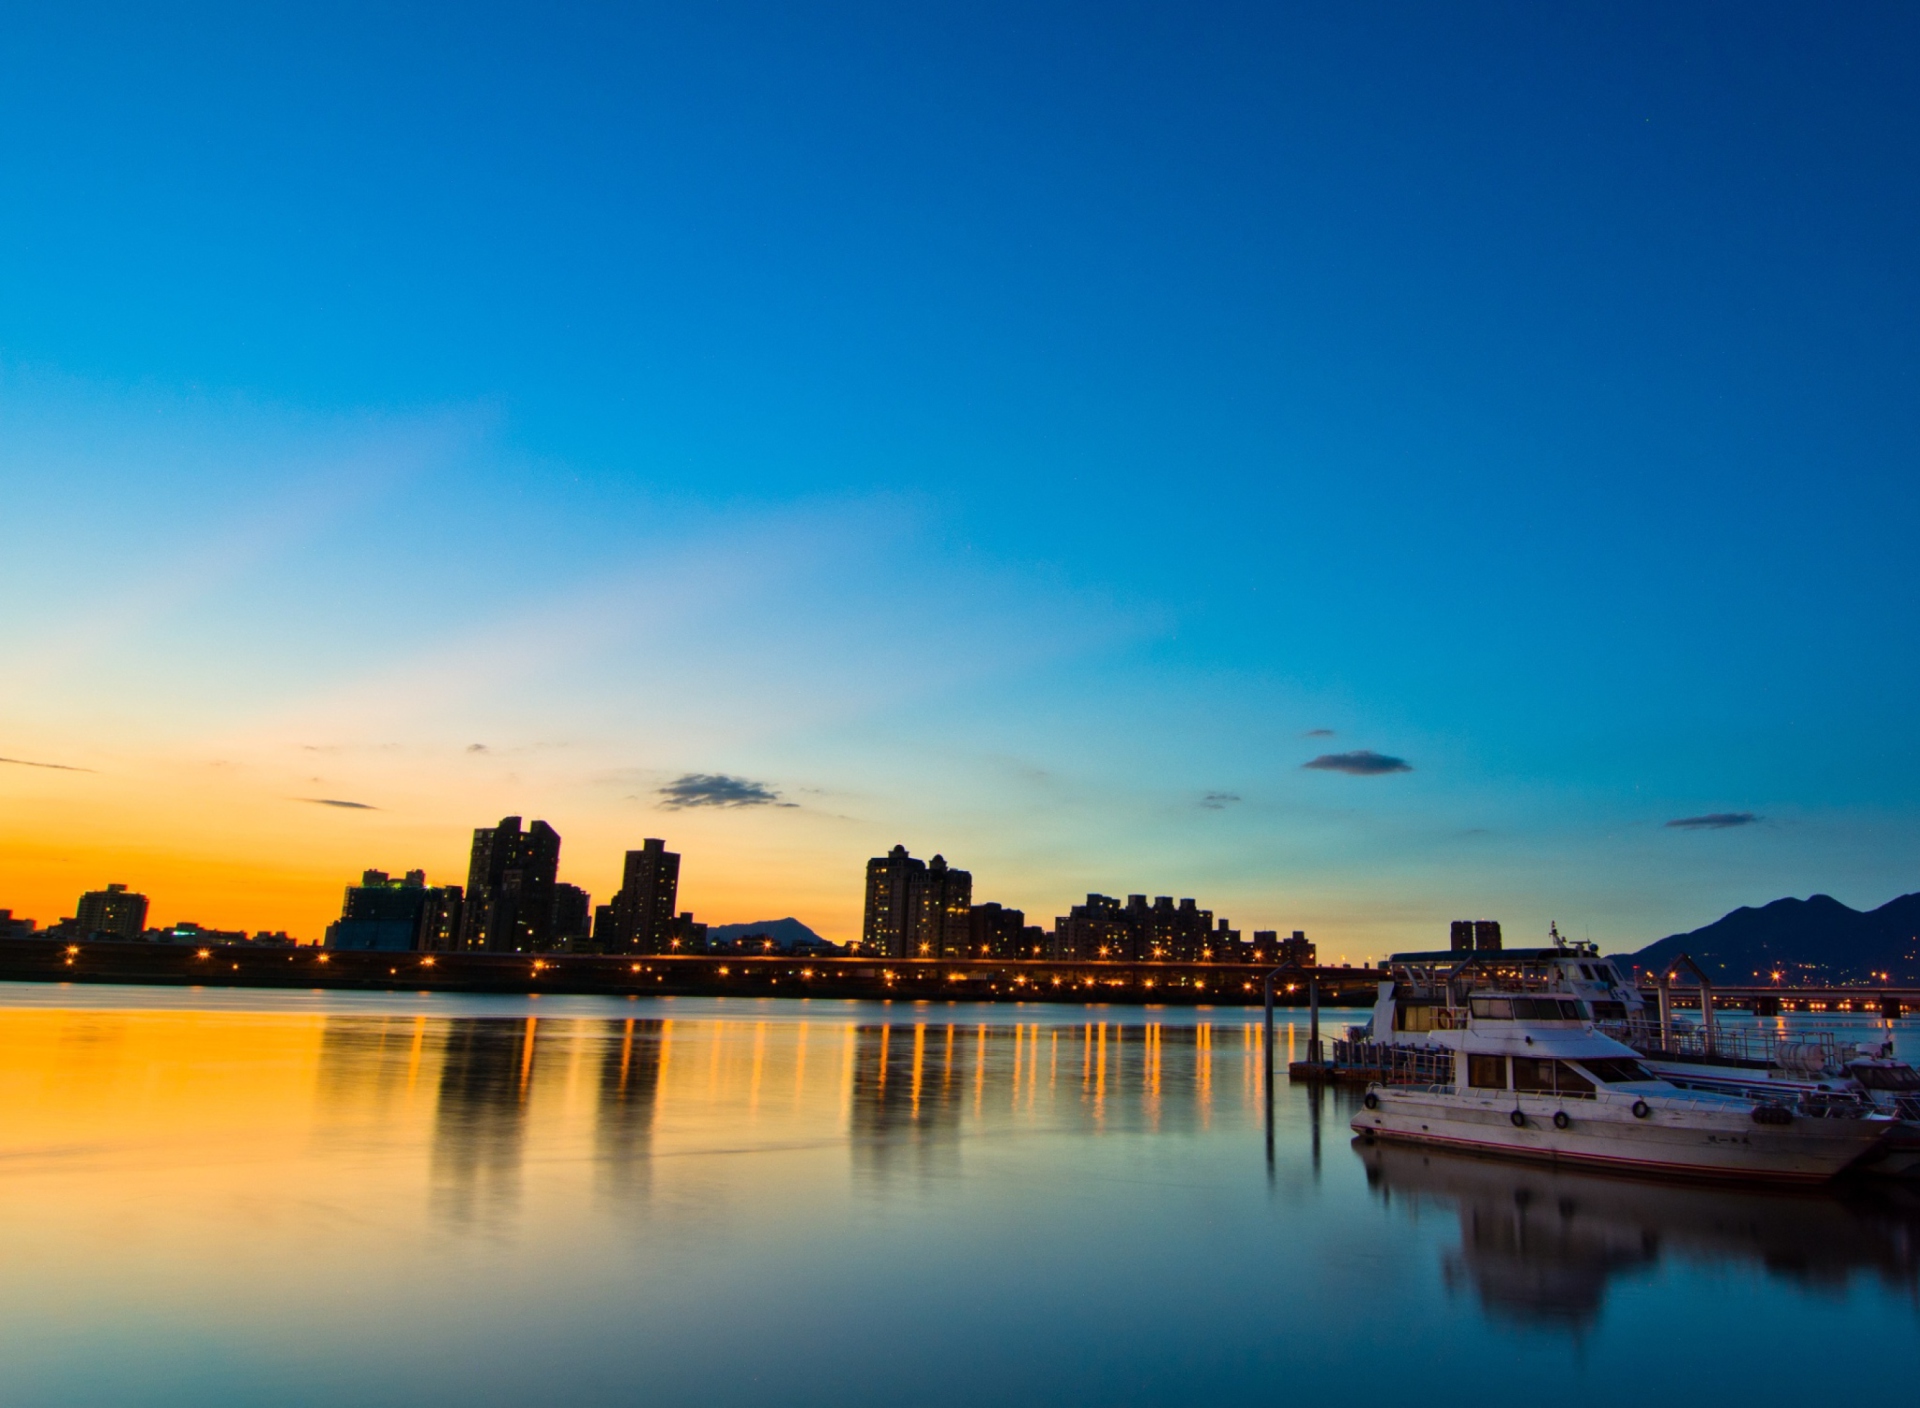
point(1541, 1247)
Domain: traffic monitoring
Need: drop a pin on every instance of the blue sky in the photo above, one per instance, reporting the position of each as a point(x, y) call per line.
point(996, 429)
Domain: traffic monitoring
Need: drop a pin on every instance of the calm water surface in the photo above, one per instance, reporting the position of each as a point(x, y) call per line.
point(228, 1197)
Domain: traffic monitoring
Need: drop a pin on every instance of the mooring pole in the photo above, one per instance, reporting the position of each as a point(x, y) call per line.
point(1313, 1020)
point(1267, 985)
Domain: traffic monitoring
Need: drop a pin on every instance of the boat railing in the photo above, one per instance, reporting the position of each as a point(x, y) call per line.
point(1812, 1052)
point(1809, 1104)
point(1396, 1065)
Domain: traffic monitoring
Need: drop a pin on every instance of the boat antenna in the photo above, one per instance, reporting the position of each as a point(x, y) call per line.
point(1553, 933)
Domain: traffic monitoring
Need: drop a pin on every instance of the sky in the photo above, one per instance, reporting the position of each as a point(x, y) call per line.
point(1037, 434)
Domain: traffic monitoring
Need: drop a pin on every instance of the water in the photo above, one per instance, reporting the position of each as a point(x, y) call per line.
point(228, 1197)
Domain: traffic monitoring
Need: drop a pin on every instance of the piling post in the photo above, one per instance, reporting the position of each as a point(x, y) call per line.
point(1267, 1030)
point(1666, 1011)
point(1313, 1020)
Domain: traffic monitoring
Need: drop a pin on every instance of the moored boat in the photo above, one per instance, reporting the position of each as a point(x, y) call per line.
point(1515, 1068)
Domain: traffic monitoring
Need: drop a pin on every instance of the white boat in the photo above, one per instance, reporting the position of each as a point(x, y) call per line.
point(1503, 1062)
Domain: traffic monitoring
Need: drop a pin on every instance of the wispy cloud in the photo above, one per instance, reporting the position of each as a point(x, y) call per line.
point(1714, 821)
point(311, 482)
point(1219, 801)
point(476, 747)
point(57, 767)
point(336, 802)
point(1318, 733)
point(751, 605)
point(717, 789)
point(1363, 762)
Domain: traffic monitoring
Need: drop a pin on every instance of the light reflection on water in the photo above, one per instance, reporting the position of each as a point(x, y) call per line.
point(373, 1200)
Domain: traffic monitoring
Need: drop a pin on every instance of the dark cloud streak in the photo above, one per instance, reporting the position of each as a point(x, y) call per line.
point(1219, 801)
point(717, 789)
point(55, 767)
point(1714, 821)
point(1363, 762)
point(336, 802)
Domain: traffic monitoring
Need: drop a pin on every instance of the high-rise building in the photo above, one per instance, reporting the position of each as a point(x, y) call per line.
point(1269, 946)
point(387, 914)
point(894, 885)
point(440, 926)
point(1103, 928)
point(1097, 929)
point(916, 909)
point(509, 899)
point(1469, 935)
point(115, 912)
point(940, 928)
point(993, 931)
point(572, 916)
point(640, 917)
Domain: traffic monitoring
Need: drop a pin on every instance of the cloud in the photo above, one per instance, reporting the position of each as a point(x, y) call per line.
point(716, 789)
point(1714, 821)
point(57, 767)
point(1219, 801)
point(1363, 762)
point(336, 802)
point(1318, 733)
point(476, 747)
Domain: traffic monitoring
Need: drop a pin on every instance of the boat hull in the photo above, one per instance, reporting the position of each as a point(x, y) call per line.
point(1688, 1141)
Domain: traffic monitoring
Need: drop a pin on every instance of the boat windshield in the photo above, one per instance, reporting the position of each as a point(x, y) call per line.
point(1615, 1070)
point(1532, 1009)
point(1886, 1077)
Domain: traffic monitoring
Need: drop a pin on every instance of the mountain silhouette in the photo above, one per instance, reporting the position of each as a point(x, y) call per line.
point(787, 933)
point(1816, 940)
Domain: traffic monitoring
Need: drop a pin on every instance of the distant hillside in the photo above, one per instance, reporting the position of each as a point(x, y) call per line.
point(785, 932)
point(1816, 939)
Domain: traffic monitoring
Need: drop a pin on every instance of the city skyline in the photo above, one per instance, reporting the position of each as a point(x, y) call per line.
point(1362, 467)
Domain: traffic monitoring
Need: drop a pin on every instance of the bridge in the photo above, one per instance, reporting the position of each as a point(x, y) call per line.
point(711, 975)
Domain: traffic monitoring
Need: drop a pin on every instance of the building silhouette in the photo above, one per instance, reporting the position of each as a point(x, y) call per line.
point(383, 913)
point(1096, 929)
point(509, 897)
point(894, 885)
point(994, 931)
point(1299, 949)
point(916, 909)
point(115, 912)
point(640, 918)
point(572, 916)
point(941, 923)
point(1103, 928)
point(1476, 934)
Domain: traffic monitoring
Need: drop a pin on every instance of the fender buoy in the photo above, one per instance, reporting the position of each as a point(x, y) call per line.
point(1561, 1119)
point(1641, 1109)
point(1370, 1100)
point(1519, 1120)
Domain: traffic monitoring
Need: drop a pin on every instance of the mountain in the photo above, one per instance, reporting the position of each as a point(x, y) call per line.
point(1812, 940)
point(786, 933)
